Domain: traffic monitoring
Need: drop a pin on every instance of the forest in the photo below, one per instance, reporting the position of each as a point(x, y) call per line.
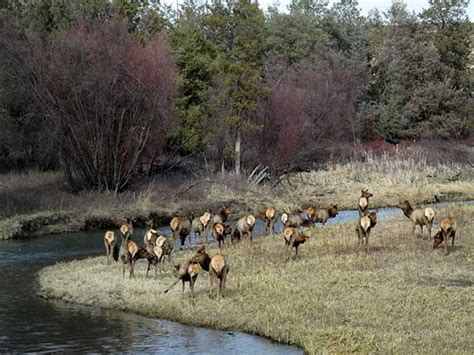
point(110, 91)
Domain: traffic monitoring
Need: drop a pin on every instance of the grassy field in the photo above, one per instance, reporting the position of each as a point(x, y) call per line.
point(37, 203)
point(402, 298)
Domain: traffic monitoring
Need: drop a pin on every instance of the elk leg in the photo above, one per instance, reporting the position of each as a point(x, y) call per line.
point(414, 230)
point(224, 280)
point(182, 292)
point(191, 285)
point(367, 242)
point(429, 230)
point(211, 283)
point(453, 234)
point(446, 235)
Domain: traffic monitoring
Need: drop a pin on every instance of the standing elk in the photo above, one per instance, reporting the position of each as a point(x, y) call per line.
point(293, 238)
point(216, 266)
point(220, 231)
point(363, 203)
point(199, 226)
point(269, 216)
point(222, 216)
point(111, 247)
point(218, 270)
point(364, 226)
point(182, 227)
point(448, 230)
point(186, 272)
point(245, 226)
point(321, 215)
point(128, 250)
point(295, 221)
point(418, 216)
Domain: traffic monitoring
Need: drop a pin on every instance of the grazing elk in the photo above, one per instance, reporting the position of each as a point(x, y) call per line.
point(418, 216)
point(111, 247)
point(448, 230)
point(293, 238)
point(181, 227)
point(269, 216)
point(321, 215)
point(363, 203)
point(199, 225)
point(220, 231)
point(294, 221)
point(186, 272)
point(245, 226)
point(218, 270)
point(128, 250)
point(364, 226)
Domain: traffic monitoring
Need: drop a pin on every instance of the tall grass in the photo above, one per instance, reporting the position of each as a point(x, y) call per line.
point(402, 298)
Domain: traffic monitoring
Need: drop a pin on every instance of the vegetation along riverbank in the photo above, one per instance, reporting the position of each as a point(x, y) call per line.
point(38, 203)
point(403, 297)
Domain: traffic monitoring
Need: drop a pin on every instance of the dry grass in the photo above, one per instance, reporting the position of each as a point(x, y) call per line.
point(402, 298)
point(36, 203)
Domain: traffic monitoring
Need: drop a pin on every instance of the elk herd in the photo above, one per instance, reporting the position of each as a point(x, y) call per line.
point(156, 247)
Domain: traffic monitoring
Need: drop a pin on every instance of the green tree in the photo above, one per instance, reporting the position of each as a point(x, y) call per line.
point(196, 59)
point(236, 28)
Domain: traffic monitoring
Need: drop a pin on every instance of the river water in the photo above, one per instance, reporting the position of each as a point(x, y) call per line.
point(32, 324)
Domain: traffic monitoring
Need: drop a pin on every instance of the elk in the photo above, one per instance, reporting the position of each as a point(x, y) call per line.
point(216, 266)
point(245, 226)
point(321, 215)
point(222, 216)
point(294, 221)
point(363, 203)
point(218, 270)
point(128, 250)
point(269, 216)
point(159, 247)
point(364, 226)
point(220, 231)
point(199, 225)
point(293, 239)
point(202, 258)
point(186, 272)
point(181, 227)
point(448, 230)
point(111, 247)
point(418, 216)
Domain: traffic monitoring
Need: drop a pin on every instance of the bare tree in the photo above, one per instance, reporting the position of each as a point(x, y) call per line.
point(104, 94)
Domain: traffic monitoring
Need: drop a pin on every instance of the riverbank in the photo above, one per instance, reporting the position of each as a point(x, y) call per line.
point(401, 298)
point(37, 203)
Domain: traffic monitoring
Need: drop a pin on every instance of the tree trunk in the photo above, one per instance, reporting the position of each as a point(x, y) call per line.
point(237, 153)
point(66, 171)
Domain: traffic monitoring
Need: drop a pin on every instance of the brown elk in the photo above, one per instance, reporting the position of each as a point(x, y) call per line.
point(220, 231)
point(199, 225)
point(222, 216)
point(269, 216)
point(363, 203)
point(128, 250)
point(448, 230)
point(182, 227)
point(245, 226)
point(111, 247)
point(364, 227)
point(418, 216)
point(186, 272)
point(293, 238)
point(159, 247)
point(321, 215)
point(295, 221)
point(218, 270)
point(216, 266)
